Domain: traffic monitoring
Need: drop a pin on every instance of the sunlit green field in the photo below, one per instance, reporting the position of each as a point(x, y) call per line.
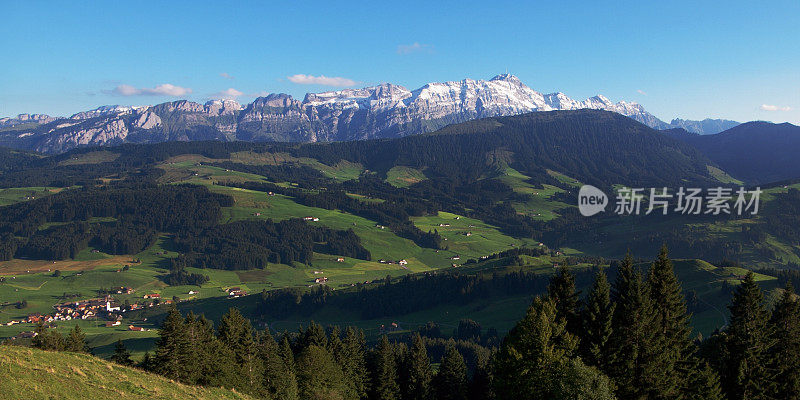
point(404, 176)
point(540, 205)
point(16, 195)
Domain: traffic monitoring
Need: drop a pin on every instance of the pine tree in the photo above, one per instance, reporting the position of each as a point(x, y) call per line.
point(318, 375)
point(535, 361)
point(288, 388)
point(384, 372)
point(597, 324)
point(121, 354)
point(671, 342)
point(236, 333)
point(785, 354)
point(480, 386)
point(313, 335)
point(562, 291)
point(418, 374)
point(76, 341)
point(48, 339)
point(703, 383)
point(747, 345)
point(450, 382)
point(173, 352)
point(211, 362)
point(349, 354)
point(277, 377)
point(146, 363)
point(634, 360)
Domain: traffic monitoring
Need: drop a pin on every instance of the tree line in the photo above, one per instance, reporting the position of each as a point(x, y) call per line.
point(135, 214)
point(254, 244)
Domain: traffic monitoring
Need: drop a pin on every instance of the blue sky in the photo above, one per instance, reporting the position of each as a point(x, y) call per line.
point(735, 60)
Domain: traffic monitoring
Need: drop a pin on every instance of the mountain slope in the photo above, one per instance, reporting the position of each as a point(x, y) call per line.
point(598, 147)
point(36, 374)
point(757, 152)
point(382, 111)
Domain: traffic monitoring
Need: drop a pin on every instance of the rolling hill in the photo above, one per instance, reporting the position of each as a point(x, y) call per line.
point(597, 147)
point(35, 374)
point(756, 152)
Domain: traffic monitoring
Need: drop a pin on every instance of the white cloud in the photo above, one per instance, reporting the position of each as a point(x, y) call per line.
point(320, 80)
point(768, 107)
point(229, 93)
point(126, 90)
point(165, 89)
point(641, 92)
point(226, 75)
point(415, 47)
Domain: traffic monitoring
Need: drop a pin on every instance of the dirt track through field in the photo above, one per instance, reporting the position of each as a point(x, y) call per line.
point(21, 267)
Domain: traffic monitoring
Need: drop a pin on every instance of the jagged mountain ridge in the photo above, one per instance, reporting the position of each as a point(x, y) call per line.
point(381, 111)
point(705, 127)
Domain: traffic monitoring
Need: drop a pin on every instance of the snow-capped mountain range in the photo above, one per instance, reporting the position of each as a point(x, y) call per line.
point(386, 110)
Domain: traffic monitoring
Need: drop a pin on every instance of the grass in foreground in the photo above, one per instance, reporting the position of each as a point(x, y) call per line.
point(36, 374)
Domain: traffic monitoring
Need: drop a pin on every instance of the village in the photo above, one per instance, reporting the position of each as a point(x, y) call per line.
point(104, 308)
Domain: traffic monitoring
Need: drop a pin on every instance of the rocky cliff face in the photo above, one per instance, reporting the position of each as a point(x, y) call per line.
point(385, 110)
point(26, 119)
point(704, 127)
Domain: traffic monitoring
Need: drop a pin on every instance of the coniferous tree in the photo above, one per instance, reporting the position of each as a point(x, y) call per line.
point(349, 354)
point(536, 361)
point(48, 339)
point(562, 290)
point(480, 386)
point(313, 335)
point(212, 363)
point(785, 354)
point(318, 375)
point(671, 342)
point(277, 377)
point(76, 341)
point(634, 360)
point(196, 349)
point(450, 382)
point(173, 354)
point(598, 317)
point(121, 354)
point(384, 372)
point(703, 383)
point(146, 363)
point(236, 333)
point(747, 342)
point(288, 386)
point(417, 371)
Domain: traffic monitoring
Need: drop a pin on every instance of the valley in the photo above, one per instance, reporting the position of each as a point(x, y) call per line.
point(266, 182)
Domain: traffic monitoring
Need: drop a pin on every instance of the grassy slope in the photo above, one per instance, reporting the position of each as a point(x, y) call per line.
point(539, 206)
point(404, 176)
point(16, 195)
point(35, 374)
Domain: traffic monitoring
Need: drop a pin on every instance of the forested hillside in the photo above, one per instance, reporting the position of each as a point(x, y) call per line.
point(756, 152)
